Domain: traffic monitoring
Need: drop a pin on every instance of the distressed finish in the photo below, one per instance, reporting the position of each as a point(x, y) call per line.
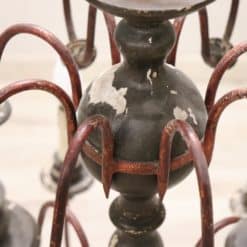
point(139, 97)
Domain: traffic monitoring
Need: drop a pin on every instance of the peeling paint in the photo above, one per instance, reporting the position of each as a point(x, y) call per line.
point(149, 73)
point(173, 92)
point(103, 91)
point(180, 114)
point(114, 241)
point(11, 206)
point(192, 115)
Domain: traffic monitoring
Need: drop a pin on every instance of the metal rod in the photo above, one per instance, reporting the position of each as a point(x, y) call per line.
point(201, 166)
point(69, 217)
point(69, 20)
point(229, 58)
point(221, 225)
point(25, 85)
point(231, 20)
point(204, 27)
point(89, 50)
point(111, 26)
point(214, 116)
point(178, 27)
point(81, 135)
point(55, 43)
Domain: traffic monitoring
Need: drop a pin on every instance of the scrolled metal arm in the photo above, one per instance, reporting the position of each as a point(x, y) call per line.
point(75, 147)
point(25, 85)
point(229, 58)
point(214, 117)
point(69, 217)
point(55, 43)
point(200, 163)
point(221, 225)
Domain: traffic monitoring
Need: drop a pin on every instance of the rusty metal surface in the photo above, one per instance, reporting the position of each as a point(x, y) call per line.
point(25, 85)
point(221, 225)
point(229, 58)
point(70, 218)
point(201, 167)
point(51, 39)
point(76, 143)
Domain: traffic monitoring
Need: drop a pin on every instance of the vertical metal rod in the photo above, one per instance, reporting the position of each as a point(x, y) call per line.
point(111, 26)
point(69, 20)
point(231, 20)
point(204, 27)
point(92, 13)
point(201, 166)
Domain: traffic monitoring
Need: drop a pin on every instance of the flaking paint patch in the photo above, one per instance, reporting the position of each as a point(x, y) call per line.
point(11, 206)
point(192, 115)
point(114, 241)
point(173, 92)
point(180, 114)
point(103, 91)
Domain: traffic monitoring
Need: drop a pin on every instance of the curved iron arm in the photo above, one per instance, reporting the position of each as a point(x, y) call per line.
point(25, 85)
point(69, 217)
point(221, 225)
point(214, 117)
point(111, 26)
point(229, 58)
point(75, 148)
point(210, 133)
point(200, 163)
point(178, 26)
point(54, 43)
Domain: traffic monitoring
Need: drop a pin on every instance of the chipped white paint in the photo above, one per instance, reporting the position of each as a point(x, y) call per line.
point(102, 91)
point(192, 115)
point(149, 73)
point(173, 92)
point(154, 74)
point(180, 114)
point(11, 206)
point(114, 241)
point(150, 40)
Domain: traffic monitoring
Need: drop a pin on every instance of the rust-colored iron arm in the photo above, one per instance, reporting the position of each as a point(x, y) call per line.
point(204, 30)
point(214, 116)
point(231, 20)
point(89, 50)
point(54, 42)
point(25, 85)
point(178, 26)
point(200, 163)
point(111, 26)
point(204, 27)
point(75, 148)
point(229, 58)
point(69, 20)
point(69, 217)
point(221, 225)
